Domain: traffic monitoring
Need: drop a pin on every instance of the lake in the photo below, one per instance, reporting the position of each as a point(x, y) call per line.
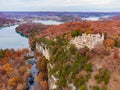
point(93, 18)
point(10, 39)
point(49, 22)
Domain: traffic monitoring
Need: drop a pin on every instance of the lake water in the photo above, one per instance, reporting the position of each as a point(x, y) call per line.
point(10, 39)
point(49, 22)
point(91, 18)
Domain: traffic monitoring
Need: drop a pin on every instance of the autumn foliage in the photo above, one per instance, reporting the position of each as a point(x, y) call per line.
point(13, 69)
point(28, 29)
point(108, 43)
point(109, 27)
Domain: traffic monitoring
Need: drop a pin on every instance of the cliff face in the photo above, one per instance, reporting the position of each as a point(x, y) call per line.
point(42, 49)
point(45, 52)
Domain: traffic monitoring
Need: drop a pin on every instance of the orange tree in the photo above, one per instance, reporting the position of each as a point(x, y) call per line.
point(109, 43)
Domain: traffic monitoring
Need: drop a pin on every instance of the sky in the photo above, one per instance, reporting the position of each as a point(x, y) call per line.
point(60, 5)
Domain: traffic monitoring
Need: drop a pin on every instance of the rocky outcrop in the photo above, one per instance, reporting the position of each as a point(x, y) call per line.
point(89, 40)
point(43, 50)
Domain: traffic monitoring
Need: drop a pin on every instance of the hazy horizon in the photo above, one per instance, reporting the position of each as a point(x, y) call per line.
point(60, 6)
